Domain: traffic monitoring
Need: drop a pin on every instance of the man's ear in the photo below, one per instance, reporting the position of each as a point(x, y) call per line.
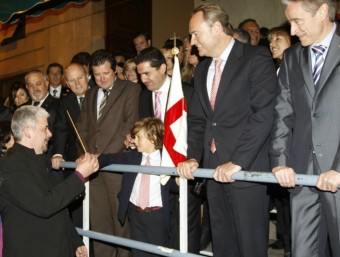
point(27, 132)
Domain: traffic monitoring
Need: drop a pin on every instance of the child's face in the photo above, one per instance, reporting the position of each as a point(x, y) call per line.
point(143, 144)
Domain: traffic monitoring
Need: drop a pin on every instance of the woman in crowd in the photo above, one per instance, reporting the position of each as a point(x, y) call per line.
point(130, 72)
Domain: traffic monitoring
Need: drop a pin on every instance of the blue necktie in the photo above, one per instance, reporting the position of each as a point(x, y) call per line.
point(319, 60)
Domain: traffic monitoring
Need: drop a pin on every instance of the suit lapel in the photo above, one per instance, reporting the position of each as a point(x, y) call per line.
point(305, 61)
point(229, 70)
point(117, 89)
point(332, 59)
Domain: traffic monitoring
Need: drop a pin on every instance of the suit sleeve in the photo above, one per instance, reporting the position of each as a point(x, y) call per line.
point(283, 121)
point(29, 192)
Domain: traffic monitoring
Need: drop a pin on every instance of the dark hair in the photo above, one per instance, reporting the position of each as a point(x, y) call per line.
point(54, 64)
point(244, 36)
point(100, 56)
point(240, 26)
point(82, 58)
point(154, 130)
point(5, 134)
point(142, 33)
point(13, 92)
point(214, 12)
point(169, 43)
point(152, 55)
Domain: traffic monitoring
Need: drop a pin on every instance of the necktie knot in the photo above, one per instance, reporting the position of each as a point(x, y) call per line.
point(36, 103)
point(218, 63)
point(318, 49)
point(106, 92)
point(81, 99)
point(55, 91)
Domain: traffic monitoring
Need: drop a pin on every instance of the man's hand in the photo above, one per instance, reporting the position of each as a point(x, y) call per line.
point(224, 172)
point(56, 160)
point(285, 176)
point(185, 169)
point(87, 164)
point(329, 181)
point(81, 251)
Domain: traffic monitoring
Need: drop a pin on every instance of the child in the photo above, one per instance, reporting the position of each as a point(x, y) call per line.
point(142, 197)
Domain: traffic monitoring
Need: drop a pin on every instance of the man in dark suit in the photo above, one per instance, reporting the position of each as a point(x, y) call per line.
point(37, 86)
point(306, 131)
point(229, 123)
point(108, 113)
point(54, 74)
point(151, 65)
point(33, 205)
point(65, 147)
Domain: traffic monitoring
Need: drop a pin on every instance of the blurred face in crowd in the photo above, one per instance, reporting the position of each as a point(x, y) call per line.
point(151, 77)
point(21, 97)
point(104, 75)
point(141, 43)
point(169, 60)
point(37, 86)
point(254, 32)
point(130, 72)
point(54, 76)
point(278, 43)
point(40, 136)
point(308, 27)
point(76, 79)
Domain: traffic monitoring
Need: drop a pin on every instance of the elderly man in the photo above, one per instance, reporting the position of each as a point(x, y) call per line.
point(306, 130)
point(32, 204)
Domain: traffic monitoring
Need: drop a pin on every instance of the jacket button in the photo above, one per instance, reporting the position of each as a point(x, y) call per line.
point(214, 124)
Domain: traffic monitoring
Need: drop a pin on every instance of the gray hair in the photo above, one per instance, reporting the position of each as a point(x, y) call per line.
point(27, 115)
point(313, 5)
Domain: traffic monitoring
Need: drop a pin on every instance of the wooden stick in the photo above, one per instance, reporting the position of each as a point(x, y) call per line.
point(75, 130)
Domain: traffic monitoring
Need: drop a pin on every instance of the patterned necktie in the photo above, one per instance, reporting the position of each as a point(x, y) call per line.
point(319, 60)
point(55, 91)
point(103, 102)
point(158, 106)
point(144, 189)
point(216, 82)
point(214, 88)
point(36, 103)
point(81, 99)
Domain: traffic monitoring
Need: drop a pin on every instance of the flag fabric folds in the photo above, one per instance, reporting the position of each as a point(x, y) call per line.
point(175, 124)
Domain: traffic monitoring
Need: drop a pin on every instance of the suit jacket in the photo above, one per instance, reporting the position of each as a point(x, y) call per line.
point(107, 135)
point(308, 118)
point(51, 105)
point(133, 158)
point(244, 110)
point(65, 138)
point(33, 207)
point(146, 104)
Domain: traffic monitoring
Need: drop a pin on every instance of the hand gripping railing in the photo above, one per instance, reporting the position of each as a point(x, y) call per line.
point(251, 176)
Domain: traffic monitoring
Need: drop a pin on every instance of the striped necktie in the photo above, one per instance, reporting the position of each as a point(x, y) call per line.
point(319, 61)
point(103, 102)
point(158, 106)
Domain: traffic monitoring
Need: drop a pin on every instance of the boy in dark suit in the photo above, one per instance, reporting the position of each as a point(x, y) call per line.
point(142, 197)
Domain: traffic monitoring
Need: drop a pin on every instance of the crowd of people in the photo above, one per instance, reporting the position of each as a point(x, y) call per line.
point(255, 102)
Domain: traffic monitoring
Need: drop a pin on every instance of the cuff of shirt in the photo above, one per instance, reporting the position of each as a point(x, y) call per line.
point(80, 176)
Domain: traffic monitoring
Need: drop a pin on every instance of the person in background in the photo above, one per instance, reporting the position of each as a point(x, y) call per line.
point(141, 40)
point(54, 76)
point(251, 26)
point(84, 58)
point(279, 41)
point(130, 72)
point(242, 36)
point(169, 58)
